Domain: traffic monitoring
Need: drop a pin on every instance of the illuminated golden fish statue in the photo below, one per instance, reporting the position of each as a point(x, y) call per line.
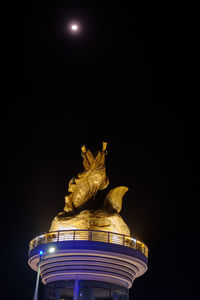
point(84, 188)
point(86, 184)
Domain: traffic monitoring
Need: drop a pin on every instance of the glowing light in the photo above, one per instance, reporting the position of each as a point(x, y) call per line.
point(52, 250)
point(74, 27)
point(41, 252)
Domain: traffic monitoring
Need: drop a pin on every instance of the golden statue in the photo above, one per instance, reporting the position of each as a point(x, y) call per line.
point(87, 183)
point(81, 195)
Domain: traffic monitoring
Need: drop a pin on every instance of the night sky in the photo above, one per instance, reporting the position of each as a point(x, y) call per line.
point(130, 77)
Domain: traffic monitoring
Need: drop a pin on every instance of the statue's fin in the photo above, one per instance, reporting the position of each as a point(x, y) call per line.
point(104, 146)
point(88, 158)
point(91, 162)
point(113, 200)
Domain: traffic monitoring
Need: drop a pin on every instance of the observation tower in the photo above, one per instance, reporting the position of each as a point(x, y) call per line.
point(88, 253)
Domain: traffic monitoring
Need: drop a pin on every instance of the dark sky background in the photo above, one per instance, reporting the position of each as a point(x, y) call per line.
point(129, 78)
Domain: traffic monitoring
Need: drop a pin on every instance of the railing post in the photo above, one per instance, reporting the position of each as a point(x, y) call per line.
point(91, 235)
point(58, 236)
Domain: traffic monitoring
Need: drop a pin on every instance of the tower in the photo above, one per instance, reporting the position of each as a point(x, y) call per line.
point(88, 254)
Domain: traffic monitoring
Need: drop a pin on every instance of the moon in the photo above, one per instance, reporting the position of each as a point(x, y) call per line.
point(74, 27)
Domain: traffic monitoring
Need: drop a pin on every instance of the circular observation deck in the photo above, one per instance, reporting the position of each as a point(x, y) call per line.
point(88, 255)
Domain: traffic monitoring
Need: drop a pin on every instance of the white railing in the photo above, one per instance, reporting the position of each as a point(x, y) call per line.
point(89, 235)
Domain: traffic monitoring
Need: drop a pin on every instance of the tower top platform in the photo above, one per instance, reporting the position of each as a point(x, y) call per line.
point(88, 255)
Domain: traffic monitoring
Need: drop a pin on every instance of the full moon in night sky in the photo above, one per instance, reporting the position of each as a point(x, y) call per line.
point(74, 27)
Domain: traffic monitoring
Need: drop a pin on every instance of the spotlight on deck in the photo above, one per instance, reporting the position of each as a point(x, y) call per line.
point(52, 250)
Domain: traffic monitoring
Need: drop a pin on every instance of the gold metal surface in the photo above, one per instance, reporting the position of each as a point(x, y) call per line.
point(113, 200)
point(86, 184)
point(78, 212)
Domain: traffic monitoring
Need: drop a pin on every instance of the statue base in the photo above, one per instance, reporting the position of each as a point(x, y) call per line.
point(91, 220)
